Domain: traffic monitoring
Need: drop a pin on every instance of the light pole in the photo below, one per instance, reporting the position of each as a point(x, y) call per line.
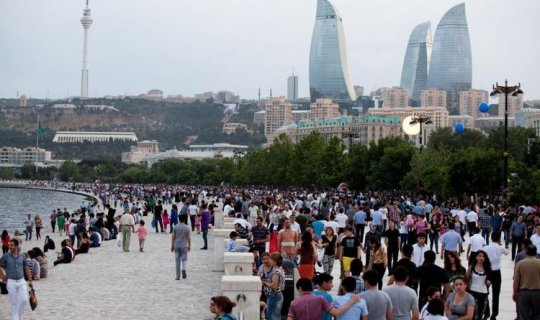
point(506, 90)
point(421, 120)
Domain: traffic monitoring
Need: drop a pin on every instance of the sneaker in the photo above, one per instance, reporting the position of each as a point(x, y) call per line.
point(204, 248)
point(184, 274)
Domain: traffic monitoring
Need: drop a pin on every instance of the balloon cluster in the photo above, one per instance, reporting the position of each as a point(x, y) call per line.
point(460, 127)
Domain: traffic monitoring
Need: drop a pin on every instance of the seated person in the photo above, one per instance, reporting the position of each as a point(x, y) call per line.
point(84, 245)
point(232, 246)
point(33, 264)
point(49, 244)
point(95, 238)
point(67, 255)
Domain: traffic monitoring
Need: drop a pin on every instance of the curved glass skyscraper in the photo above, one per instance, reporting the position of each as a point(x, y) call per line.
point(451, 62)
point(329, 75)
point(416, 63)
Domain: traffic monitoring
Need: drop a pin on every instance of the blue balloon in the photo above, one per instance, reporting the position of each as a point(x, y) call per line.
point(483, 107)
point(459, 128)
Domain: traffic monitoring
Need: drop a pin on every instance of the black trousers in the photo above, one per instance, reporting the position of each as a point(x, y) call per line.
point(496, 281)
point(192, 220)
point(392, 257)
point(516, 245)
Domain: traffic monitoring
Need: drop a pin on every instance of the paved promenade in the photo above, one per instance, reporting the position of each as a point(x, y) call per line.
point(110, 284)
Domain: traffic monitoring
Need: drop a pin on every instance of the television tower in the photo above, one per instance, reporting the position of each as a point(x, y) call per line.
point(86, 22)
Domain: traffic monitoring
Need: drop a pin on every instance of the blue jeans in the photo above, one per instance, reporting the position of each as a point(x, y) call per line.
point(274, 302)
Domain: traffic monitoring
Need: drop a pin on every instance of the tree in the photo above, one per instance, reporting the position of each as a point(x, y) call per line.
point(429, 171)
point(357, 166)
point(517, 141)
point(389, 162)
point(474, 170)
point(446, 139)
point(69, 171)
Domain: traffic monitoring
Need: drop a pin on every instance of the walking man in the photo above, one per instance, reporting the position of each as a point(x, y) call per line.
point(127, 225)
point(181, 245)
point(526, 289)
point(29, 223)
point(494, 251)
point(16, 266)
point(53, 220)
point(157, 216)
point(205, 224)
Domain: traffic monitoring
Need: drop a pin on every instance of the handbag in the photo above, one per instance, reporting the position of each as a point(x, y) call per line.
point(154, 223)
point(3, 288)
point(33, 299)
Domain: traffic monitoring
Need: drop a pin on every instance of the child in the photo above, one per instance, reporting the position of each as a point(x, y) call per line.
point(142, 232)
point(165, 218)
point(198, 223)
point(232, 246)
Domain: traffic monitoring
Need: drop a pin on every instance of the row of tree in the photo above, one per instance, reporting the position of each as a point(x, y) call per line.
point(450, 165)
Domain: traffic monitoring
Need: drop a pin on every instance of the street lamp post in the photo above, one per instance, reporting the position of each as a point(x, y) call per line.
point(506, 90)
point(421, 120)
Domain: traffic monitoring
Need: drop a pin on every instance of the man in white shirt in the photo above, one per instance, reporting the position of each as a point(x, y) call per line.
point(295, 225)
point(472, 219)
point(494, 251)
point(476, 243)
point(193, 210)
point(418, 250)
point(535, 238)
point(332, 224)
point(341, 219)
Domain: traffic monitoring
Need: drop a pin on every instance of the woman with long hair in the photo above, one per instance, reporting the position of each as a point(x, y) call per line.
point(479, 276)
point(273, 281)
point(328, 242)
point(378, 259)
point(43, 262)
point(453, 266)
point(308, 256)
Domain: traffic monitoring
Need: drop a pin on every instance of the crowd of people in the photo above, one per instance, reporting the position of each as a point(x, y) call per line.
point(369, 235)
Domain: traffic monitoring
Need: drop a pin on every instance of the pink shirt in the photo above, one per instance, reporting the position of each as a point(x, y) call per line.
point(142, 232)
point(308, 307)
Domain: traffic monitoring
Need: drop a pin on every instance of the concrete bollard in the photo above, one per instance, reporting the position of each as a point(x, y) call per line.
point(245, 291)
point(226, 219)
point(238, 263)
point(219, 249)
point(228, 225)
point(218, 218)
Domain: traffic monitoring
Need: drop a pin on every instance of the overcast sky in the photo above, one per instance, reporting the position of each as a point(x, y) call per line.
point(192, 46)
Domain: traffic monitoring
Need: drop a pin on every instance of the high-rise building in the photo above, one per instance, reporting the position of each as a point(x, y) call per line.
point(416, 63)
point(278, 113)
point(393, 97)
point(329, 75)
point(470, 100)
point(292, 87)
point(514, 104)
point(323, 108)
point(23, 101)
point(86, 22)
point(451, 62)
point(433, 98)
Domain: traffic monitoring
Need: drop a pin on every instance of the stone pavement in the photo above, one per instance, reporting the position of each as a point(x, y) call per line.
point(108, 283)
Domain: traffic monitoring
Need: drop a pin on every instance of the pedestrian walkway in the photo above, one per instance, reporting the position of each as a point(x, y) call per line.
point(108, 283)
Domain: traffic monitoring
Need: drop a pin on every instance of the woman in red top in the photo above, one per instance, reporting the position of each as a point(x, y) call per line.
point(5, 242)
point(308, 256)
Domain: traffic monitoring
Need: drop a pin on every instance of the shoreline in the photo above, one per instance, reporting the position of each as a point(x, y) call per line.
point(22, 185)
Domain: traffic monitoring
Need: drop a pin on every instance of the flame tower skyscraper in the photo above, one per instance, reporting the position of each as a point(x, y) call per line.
point(86, 22)
point(329, 75)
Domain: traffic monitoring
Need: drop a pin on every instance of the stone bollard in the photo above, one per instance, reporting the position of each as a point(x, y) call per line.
point(228, 225)
point(219, 249)
point(227, 219)
point(218, 217)
point(245, 291)
point(238, 263)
